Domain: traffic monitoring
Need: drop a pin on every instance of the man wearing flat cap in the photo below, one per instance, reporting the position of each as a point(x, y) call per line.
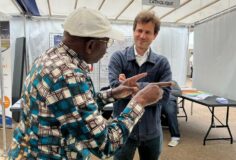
point(60, 118)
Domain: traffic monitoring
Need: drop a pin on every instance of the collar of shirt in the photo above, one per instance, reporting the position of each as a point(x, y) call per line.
point(81, 63)
point(141, 59)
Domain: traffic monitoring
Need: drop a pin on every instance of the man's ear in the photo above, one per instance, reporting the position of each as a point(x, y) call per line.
point(90, 46)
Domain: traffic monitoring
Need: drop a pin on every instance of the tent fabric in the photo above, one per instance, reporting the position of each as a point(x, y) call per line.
point(171, 42)
point(214, 56)
point(189, 12)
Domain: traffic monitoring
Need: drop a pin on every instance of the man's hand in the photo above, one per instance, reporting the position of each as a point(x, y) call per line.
point(122, 77)
point(128, 87)
point(131, 82)
point(150, 94)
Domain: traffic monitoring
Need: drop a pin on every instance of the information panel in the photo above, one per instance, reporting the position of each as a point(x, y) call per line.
point(6, 71)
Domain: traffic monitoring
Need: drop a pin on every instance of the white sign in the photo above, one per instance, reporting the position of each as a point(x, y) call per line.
point(162, 3)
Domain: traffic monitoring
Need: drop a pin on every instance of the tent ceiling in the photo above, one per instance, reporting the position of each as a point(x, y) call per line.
point(189, 11)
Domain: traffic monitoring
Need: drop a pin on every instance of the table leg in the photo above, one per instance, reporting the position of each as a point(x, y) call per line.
point(212, 122)
point(226, 121)
point(213, 125)
point(191, 108)
point(182, 106)
point(186, 117)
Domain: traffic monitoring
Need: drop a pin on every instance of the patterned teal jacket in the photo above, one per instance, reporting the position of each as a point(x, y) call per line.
point(60, 118)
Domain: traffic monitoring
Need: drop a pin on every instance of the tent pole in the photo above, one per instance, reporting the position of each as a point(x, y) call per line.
point(228, 10)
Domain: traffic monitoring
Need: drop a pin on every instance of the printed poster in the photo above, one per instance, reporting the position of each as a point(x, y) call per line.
point(6, 71)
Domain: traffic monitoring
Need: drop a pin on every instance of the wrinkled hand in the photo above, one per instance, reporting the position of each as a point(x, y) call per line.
point(148, 95)
point(128, 87)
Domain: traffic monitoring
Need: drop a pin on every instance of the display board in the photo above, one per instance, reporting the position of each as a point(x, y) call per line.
point(54, 39)
point(118, 45)
point(6, 70)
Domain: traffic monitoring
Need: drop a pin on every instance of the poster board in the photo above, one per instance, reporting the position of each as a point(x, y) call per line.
point(118, 45)
point(54, 39)
point(6, 70)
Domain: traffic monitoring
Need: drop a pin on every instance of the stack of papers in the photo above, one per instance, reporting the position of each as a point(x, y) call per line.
point(195, 94)
point(202, 96)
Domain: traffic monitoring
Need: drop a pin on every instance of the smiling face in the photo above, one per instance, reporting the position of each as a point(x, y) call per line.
point(145, 29)
point(143, 36)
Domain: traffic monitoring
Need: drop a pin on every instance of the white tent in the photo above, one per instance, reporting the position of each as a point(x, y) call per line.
point(214, 49)
point(173, 42)
point(52, 12)
point(187, 12)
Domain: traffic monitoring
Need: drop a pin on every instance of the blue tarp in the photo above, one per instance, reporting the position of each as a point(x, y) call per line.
point(29, 7)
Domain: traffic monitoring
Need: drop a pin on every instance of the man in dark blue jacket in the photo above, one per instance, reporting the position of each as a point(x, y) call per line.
point(139, 58)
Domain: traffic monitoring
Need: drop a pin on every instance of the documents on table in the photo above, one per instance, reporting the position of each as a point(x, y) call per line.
point(195, 94)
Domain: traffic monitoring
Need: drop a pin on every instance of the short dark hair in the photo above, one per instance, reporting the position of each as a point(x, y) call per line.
point(146, 17)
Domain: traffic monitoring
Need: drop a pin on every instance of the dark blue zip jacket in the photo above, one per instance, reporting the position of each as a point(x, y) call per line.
point(158, 69)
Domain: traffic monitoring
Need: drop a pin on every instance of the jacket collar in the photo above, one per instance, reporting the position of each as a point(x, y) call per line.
point(80, 63)
point(131, 55)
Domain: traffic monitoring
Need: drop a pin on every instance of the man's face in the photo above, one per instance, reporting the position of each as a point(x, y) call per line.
point(144, 35)
point(97, 50)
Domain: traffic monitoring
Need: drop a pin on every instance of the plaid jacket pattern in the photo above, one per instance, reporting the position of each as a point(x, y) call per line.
point(60, 118)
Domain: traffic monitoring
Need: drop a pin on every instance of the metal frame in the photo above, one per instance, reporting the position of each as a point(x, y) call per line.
point(18, 7)
point(211, 106)
point(49, 8)
point(181, 105)
point(199, 9)
point(102, 2)
point(228, 10)
point(175, 9)
point(124, 9)
point(99, 8)
point(222, 125)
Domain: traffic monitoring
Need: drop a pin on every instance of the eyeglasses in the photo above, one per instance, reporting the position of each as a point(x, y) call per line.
point(109, 42)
